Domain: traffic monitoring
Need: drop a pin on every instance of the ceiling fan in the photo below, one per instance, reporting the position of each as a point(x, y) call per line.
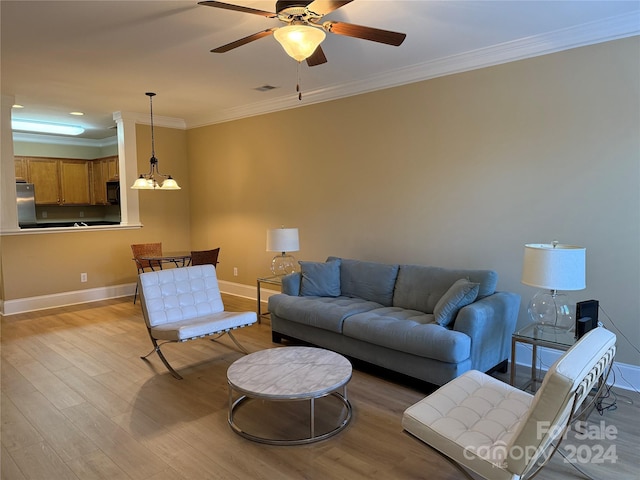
point(304, 32)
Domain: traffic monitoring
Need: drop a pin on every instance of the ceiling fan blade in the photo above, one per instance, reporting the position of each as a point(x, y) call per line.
point(322, 7)
point(238, 8)
point(244, 41)
point(366, 33)
point(317, 57)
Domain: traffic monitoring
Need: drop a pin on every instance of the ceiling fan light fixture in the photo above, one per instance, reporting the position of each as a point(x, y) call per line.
point(299, 41)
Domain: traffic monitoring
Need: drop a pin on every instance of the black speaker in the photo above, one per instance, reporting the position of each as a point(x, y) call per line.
point(583, 325)
point(586, 316)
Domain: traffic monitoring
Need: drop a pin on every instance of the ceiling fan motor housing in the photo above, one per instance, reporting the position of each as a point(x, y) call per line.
point(291, 7)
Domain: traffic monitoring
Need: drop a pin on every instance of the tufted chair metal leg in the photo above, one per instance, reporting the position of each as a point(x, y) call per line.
point(242, 349)
point(156, 348)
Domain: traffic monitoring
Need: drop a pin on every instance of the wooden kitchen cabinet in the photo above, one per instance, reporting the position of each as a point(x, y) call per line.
point(102, 171)
point(44, 174)
point(98, 182)
point(21, 169)
point(74, 182)
point(60, 181)
point(63, 181)
point(112, 168)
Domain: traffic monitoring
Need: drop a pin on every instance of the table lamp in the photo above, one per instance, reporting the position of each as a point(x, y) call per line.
point(553, 267)
point(283, 240)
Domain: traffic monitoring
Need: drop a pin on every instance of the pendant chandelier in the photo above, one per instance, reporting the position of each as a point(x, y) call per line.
point(154, 179)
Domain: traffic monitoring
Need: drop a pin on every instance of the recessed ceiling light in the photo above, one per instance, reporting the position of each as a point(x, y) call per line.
point(18, 106)
point(42, 127)
point(79, 114)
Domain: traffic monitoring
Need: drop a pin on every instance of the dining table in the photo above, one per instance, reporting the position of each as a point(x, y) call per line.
point(179, 259)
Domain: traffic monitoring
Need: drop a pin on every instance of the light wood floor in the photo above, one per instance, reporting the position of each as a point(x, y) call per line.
point(78, 403)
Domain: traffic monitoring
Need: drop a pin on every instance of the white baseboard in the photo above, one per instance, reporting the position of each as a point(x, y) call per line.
point(31, 304)
point(627, 376)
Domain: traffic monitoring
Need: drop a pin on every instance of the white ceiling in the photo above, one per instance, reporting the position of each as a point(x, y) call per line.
point(100, 57)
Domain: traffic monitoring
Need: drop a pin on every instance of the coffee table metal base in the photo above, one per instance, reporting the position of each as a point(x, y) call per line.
point(342, 397)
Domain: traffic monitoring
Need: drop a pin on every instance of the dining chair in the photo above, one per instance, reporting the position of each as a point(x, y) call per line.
point(140, 250)
point(205, 257)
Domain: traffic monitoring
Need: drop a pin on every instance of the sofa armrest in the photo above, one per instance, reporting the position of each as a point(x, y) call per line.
point(489, 322)
point(291, 284)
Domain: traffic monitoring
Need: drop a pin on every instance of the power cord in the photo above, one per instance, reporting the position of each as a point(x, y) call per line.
point(628, 399)
point(618, 330)
point(600, 405)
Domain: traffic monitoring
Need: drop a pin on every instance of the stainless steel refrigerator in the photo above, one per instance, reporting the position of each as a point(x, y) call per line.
point(26, 198)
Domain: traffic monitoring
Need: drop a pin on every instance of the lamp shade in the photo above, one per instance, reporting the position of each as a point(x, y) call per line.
point(170, 184)
point(283, 240)
point(299, 41)
point(554, 266)
point(142, 183)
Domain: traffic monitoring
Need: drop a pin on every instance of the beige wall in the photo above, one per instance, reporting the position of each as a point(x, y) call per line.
point(457, 171)
point(51, 263)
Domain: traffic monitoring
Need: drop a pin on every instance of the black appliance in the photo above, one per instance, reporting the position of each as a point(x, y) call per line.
point(586, 316)
point(113, 192)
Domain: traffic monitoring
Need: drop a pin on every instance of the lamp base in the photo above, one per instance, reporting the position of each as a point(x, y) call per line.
point(551, 311)
point(283, 264)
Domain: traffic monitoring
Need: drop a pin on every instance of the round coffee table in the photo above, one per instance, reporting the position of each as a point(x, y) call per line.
point(289, 374)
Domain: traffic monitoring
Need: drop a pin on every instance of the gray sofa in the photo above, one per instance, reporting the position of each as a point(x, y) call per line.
point(426, 322)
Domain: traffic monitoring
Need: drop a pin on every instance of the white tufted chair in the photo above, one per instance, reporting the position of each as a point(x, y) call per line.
point(183, 304)
point(499, 432)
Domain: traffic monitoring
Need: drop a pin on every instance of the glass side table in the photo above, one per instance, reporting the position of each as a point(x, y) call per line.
point(538, 336)
point(271, 280)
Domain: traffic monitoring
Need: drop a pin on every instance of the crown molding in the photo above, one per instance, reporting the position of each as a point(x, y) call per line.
point(145, 119)
point(612, 28)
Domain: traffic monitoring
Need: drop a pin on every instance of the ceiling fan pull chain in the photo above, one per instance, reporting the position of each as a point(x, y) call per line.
point(298, 82)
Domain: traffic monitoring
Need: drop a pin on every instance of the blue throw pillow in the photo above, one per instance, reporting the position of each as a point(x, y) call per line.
point(460, 294)
point(320, 279)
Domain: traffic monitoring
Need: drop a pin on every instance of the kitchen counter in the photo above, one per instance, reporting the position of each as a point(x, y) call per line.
point(55, 224)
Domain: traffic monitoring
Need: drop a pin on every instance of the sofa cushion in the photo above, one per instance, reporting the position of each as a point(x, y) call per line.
point(420, 287)
point(320, 279)
point(460, 294)
point(368, 280)
point(322, 312)
point(409, 331)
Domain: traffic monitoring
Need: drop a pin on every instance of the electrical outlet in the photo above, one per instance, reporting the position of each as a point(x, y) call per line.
point(235, 271)
point(81, 214)
point(44, 214)
point(83, 277)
